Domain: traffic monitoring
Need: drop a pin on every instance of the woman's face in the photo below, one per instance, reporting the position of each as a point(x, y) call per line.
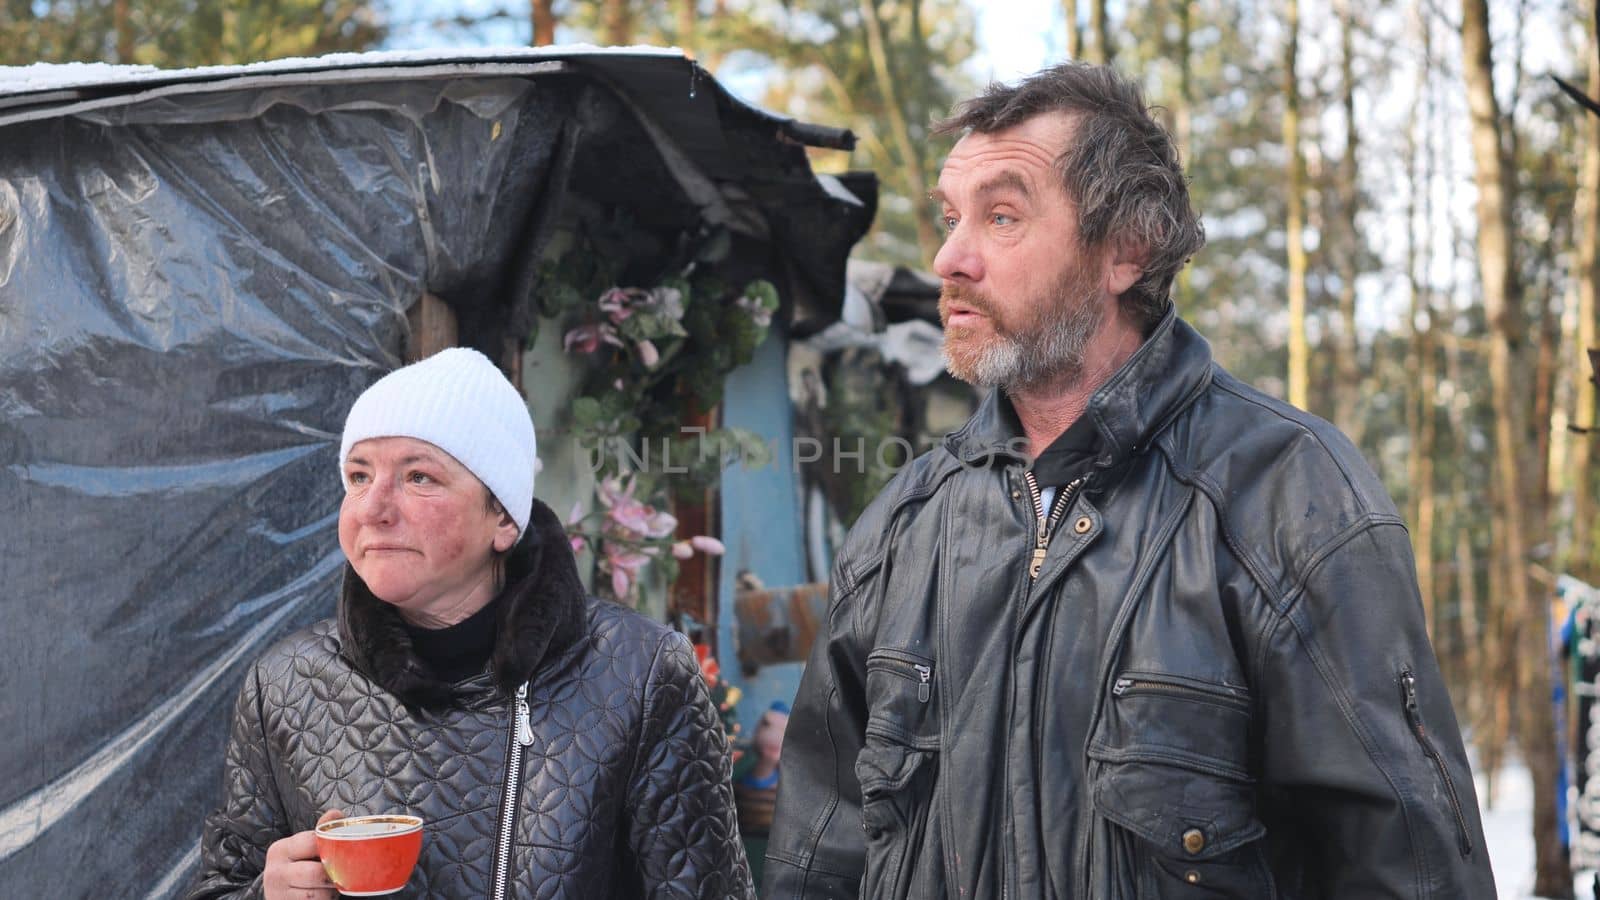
point(419, 529)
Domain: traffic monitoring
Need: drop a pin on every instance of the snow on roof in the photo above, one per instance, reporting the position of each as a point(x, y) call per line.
point(41, 77)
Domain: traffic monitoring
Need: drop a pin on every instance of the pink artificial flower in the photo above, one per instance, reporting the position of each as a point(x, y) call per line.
point(588, 338)
point(578, 543)
point(644, 521)
point(618, 303)
point(612, 490)
point(708, 545)
point(583, 339)
point(624, 565)
point(682, 550)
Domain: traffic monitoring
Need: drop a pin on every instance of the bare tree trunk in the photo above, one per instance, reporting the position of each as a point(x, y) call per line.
point(1183, 123)
point(1522, 511)
point(1100, 24)
point(544, 23)
point(1584, 413)
point(1299, 351)
point(1074, 36)
point(1471, 632)
point(1347, 393)
point(1422, 410)
point(910, 152)
point(618, 22)
point(688, 11)
point(124, 31)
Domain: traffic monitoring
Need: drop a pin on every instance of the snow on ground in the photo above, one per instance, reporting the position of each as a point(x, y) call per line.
point(1509, 829)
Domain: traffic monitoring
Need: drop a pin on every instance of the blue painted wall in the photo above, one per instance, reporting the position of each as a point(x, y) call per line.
point(762, 523)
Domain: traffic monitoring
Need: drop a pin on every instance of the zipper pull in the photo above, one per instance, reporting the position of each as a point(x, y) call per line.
point(1121, 687)
point(524, 730)
point(1036, 564)
point(924, 690)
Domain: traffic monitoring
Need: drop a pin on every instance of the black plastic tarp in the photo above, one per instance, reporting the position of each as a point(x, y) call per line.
point(197, 277)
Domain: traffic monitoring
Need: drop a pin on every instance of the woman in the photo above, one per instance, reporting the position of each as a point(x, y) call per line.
point(556, 745)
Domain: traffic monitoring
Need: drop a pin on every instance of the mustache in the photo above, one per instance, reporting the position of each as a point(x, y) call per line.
point(962, 295)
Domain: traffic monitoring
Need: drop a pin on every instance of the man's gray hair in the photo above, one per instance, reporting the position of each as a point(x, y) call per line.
point(1121, 169)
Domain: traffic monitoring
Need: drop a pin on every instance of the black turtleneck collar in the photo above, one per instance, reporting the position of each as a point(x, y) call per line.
point(541, 612)
point(458, 652)
point(1069, 456)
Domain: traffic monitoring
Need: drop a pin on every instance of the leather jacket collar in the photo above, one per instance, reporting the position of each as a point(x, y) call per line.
point(542, 615)
point(1164, 376)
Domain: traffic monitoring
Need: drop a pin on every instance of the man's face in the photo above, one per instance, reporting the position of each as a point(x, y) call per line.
point(1020, 300)
point(416, 527)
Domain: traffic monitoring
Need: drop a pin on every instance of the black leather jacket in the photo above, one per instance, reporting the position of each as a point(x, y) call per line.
point(619, 787)
point(1269, 720)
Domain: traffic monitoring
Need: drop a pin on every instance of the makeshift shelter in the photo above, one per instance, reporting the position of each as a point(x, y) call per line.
point(200, 270)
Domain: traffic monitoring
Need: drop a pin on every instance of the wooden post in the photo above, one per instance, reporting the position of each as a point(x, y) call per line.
point(695, 591)
point(433, 328)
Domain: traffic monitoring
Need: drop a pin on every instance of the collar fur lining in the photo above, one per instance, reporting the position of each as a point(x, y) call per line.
point(542, 615)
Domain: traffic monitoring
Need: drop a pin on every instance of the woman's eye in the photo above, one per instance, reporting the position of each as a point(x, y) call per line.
point(420, 478)
point(1002, 219)
point(949, 222)
point(356, 478)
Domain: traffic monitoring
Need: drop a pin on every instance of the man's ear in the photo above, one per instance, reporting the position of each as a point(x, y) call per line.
point(1124, 265)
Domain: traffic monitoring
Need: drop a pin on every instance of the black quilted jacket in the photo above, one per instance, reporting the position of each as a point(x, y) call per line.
point(623, 784)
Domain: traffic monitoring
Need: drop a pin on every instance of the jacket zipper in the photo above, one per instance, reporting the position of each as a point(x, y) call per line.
point(1047, 522)
point(1150, 684)
point(897, 664)
point(1414, 715)
point(522, 736)
point(1044, 526)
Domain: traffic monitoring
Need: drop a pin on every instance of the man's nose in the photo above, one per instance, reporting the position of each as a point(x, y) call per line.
point(957, 259)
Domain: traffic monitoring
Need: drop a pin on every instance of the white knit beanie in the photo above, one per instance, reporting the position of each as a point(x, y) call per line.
point(459, 402)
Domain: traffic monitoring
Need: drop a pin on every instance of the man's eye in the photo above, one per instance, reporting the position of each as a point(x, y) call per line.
point(1001, 219)
point(420, 478)
point(356, 478)
point(949, 222)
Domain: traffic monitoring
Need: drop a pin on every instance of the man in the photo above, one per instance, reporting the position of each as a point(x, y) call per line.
point(1135, 630)
point(555, 745)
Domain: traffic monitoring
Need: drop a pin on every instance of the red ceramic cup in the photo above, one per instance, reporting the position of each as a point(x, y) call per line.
point(370, 855)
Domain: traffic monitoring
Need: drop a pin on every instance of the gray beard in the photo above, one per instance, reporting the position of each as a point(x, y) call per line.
point(1053, 354)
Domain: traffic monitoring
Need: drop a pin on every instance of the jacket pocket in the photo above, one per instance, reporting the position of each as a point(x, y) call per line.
point(1408, 688)
point(1175, 806)
point(897, 769)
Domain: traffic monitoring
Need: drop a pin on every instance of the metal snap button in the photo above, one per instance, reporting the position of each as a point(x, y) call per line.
point(1016, 495)
point(1083, 525)
point(1192, 876)
point(1194, 841)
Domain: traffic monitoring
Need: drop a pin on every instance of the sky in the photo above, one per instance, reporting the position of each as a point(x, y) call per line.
point(1015, 37)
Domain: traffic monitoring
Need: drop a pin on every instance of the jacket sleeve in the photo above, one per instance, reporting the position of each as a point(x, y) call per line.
point(233, 845)
point(682, 827)
point(817, 849)
point(1363, 762)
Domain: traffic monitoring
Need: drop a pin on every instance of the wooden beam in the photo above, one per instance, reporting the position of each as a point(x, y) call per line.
point(433, 328)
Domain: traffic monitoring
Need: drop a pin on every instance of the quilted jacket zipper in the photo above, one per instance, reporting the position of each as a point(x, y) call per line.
point(1414, 716)
point(522, 736)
